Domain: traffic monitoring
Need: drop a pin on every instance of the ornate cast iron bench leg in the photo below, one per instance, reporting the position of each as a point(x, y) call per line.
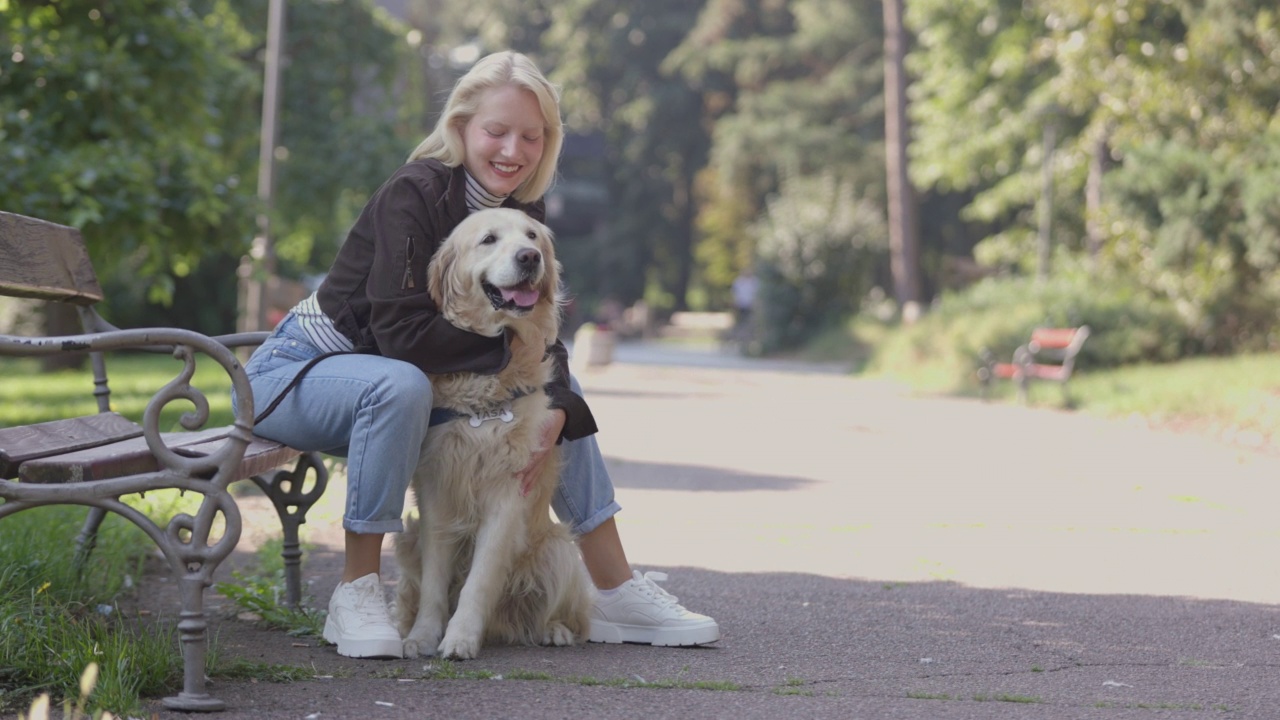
point(291, 497)
point(186, 545)
point(87, 540)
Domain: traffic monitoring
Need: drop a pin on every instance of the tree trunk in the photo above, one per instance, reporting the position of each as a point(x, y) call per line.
point(684, 236)
point(1044, 234)
point(1093, 199)
point(904, 251)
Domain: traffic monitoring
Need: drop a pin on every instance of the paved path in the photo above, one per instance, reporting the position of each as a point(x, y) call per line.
point(872, 555)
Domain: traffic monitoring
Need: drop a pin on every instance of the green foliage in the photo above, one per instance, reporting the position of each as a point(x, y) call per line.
point(128, 121)
point(1192, 237)
point(1177, 99)
point(138, 123)
point(818, 244)
point(799, 86)
point(262, 591)
point(615, 84)
point(263, 596)
point(341, 133)
point(794, 89)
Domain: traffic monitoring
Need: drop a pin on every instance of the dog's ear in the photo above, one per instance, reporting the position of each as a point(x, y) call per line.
point(551, 279)
point(439, 270)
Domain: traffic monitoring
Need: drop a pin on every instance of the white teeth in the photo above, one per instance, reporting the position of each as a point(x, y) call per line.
point(506, 168)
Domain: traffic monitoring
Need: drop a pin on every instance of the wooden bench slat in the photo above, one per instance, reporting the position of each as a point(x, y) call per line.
point(1053, 338)
point(28, 442)
point(260, 456)
point(132, 457)
point(41, 259)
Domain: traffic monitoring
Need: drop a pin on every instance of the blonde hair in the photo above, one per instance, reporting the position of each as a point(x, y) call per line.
point(501, 68)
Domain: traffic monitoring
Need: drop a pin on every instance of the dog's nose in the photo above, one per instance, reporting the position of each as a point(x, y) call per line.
point(528, 258)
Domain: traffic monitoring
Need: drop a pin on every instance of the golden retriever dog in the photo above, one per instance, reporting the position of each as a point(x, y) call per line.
point(491, 563)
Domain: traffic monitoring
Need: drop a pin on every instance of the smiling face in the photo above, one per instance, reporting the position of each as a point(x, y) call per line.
point(504, 139)
point(497, 268)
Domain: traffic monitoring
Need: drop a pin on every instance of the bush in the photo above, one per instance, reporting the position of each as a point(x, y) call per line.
point(818, 245)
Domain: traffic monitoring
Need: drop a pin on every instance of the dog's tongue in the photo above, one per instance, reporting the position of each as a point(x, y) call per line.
point(523, 298)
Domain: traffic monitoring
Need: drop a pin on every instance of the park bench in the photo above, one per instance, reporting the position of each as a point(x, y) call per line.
point(99, 459)
point(1050, 354)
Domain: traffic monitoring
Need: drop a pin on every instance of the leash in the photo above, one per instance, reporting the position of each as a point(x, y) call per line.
point(275, 403)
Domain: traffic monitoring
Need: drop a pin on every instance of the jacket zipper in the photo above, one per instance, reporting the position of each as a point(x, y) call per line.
point(407, 282)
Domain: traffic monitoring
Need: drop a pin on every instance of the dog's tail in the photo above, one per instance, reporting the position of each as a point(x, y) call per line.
point(548, 586)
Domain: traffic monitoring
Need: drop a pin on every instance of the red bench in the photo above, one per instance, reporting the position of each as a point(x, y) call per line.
point(1049, 355)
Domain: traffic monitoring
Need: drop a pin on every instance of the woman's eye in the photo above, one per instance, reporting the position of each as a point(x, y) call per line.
point(489, 239)
point(532, 139)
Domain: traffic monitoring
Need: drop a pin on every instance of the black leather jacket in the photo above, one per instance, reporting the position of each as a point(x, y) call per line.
point(376, 290)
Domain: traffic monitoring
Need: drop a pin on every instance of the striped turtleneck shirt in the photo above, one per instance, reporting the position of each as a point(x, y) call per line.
point(319, 328)
point(478, 198)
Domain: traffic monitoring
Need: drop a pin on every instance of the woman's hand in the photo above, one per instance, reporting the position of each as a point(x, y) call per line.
point(547, 440)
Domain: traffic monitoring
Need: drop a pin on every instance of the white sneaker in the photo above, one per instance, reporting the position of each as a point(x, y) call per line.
point(359, 623)
point(641, 612)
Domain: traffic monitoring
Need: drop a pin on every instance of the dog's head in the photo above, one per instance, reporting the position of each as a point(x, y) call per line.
point(497, 269)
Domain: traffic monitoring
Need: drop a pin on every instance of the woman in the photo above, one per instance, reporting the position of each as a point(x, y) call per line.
point(496, 144)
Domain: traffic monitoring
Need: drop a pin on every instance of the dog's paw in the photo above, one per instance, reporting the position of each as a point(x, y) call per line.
point(557, 634)
point(414, 648)
point(421, 641)
point(460, 648)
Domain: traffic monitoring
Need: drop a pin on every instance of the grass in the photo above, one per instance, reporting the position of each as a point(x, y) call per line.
point(54, 622)
point(261, 593)
point(793, 686)
point(134, 379)
point(1007, 697)
point(55, 618)
point(240, 669)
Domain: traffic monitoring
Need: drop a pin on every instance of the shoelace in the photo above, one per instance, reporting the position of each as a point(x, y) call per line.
point(371, 604)
point(649, 584)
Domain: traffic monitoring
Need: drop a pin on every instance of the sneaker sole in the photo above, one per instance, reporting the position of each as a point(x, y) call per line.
point(615, 633)
point(347, 647)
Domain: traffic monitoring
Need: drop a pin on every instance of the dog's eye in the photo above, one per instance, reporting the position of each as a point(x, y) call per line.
point(489, 239)
point(532, 235)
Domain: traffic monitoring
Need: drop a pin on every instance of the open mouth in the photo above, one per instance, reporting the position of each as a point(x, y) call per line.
point(520, 298)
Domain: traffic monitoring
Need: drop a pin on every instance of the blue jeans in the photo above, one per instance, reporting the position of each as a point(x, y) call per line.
point(374, 411)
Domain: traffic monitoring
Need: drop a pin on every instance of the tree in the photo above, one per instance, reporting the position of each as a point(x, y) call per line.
point(129, 122)
point(795, 90)
point(1164, 117)
point(342, 130)
point(137, 122)
point(904, 250)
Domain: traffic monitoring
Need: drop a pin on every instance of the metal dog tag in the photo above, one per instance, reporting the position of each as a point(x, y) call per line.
point(504, 414)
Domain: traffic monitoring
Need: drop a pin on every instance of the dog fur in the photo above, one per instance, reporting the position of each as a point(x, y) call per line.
point(494, 564)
